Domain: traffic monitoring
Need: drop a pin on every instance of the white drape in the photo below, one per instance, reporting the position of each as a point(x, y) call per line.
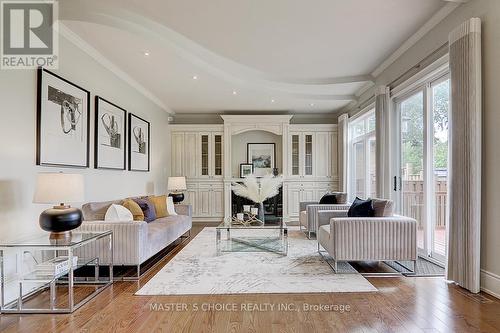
point(342, 131)
point(382, 132)
point(464, 227)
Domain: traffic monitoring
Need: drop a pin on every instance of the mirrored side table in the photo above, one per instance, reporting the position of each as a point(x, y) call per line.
point(43, 275)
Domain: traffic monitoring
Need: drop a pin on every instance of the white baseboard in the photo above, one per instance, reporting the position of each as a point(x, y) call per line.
point(490, 283)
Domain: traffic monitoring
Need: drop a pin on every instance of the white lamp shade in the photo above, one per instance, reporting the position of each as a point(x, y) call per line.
point(176, 184)
point(55, 188)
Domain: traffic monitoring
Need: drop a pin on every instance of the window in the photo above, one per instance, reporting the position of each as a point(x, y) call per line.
point(362, 151)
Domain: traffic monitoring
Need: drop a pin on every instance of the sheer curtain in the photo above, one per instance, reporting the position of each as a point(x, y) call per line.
point(464, 231)
point(342, 130)
point(382, 130)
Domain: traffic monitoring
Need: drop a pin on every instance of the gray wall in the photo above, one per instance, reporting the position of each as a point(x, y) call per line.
point(18, 215)
point(489, 12)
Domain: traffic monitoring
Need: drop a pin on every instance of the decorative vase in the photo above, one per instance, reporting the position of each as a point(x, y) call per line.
point(261, 212)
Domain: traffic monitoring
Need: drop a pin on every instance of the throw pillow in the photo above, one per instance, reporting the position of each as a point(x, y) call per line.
point(328, 199)
point(361, 208)
point(160, 203)
point(171, 206)
point(134, 208)
point(382, 207)
point(118, 213)
point(148, 209)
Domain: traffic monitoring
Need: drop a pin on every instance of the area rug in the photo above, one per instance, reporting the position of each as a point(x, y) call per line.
point(197, 270)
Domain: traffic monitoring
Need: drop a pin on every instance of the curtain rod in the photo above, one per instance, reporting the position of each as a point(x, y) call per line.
point(435, 55)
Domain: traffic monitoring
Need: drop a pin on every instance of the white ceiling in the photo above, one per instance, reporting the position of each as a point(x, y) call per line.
point(306, 56)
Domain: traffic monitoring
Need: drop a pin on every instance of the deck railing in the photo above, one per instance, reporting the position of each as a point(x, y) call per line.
point(413, 200)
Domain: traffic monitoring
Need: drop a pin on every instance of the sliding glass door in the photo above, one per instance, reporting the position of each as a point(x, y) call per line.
point(412, 162)
point(423, 163)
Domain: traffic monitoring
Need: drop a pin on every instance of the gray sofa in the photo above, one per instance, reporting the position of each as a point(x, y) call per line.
point(134, 242)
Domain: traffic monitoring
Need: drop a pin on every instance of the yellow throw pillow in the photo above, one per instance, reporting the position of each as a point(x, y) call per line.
point(160, 203)
point(134, 209)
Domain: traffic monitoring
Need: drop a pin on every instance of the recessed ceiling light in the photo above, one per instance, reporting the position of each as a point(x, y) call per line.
point(235, 92)
point(311, 104)
point(195, 77)
point(146, 53)
point(272, 101)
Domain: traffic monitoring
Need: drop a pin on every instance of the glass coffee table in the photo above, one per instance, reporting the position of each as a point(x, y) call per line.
point(231, 237)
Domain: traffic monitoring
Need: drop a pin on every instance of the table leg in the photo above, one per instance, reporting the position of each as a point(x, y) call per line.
point(217, 241)
point(110, 245)
point(71, 277)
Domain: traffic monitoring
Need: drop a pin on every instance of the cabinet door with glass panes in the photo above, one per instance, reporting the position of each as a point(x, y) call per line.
point(301, 154)
point(211, 155)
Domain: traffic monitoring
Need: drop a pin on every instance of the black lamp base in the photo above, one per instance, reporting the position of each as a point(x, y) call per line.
point(60, 220)
point(177, 197)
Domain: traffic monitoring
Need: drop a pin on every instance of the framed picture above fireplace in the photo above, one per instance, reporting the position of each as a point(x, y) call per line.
point(262, 156)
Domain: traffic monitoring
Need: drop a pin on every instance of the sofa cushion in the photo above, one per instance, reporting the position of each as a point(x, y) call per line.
point(148, 209)
point(160, 203)
point(171, 206)
point(96, 211)
point(328, 199)
point(361, 208)
point(135, 209)
point(382, 207)
point(165, 230)
point(341, 197)
point(118, 213)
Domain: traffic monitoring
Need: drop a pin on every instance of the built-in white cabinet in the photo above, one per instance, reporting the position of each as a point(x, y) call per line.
point(302, 155)
point(210, 155)
point(197, 154)
point(313, 153)
point(201, 152)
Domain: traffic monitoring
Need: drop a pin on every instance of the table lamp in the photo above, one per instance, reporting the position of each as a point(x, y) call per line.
point(176, 185)
point(59, 188)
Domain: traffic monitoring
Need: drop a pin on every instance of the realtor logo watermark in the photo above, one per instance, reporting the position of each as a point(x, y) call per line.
point(29, 34)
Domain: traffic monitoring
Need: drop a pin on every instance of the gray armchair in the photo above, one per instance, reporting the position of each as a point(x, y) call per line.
point(309, 210)
point(383, 237)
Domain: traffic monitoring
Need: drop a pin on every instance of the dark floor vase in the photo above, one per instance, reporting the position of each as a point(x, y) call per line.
point(261, 215)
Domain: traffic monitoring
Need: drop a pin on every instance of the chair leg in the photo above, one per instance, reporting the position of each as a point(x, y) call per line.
point(334, 265)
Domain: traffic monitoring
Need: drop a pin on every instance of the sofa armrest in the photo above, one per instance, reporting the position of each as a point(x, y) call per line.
point(303, 205)
point(312, 213)
point(324, 216)
point(374, 238)
point(129, 241)
point(184, 210)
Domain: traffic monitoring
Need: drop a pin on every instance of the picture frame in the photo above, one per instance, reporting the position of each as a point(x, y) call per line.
point(62, 122)
point(263, 158)
point(109, 135)
point(139, 147)
point(246, 169)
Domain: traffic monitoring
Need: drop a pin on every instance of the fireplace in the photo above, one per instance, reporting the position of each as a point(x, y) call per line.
point(273, 207)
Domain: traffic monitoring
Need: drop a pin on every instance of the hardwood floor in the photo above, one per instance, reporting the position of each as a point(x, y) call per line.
point(400, 305)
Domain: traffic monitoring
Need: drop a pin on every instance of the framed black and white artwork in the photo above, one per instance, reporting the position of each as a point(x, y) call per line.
point(62, 122)
point(246, 169)
point(138, 143)
point(262, 156)
point(109, 143)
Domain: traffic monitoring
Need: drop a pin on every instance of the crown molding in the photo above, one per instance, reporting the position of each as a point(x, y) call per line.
point(70, 35)
point(439, 16)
